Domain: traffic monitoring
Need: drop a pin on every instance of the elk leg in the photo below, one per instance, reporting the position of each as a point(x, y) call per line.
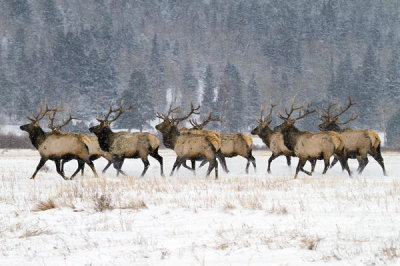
point(213, 164)
point(117, 164)
point(288, 160)
point(91, 165)
point(81, 165)
point(313, 163)
point(364, 164)
point(253, 161)
point(273, 157)
point(40, 165)
point(203, 163)
point(326, 162)
point(345, 164)
point(222, 160)
point(300, 166)
point(146, 165)
point(63, 161)
point(107, 166)
point(58, 168)
point(378, 157)
point(176, 164)
point(247, 165)
point(158, 157)
point(186, 166)
point(335, 160)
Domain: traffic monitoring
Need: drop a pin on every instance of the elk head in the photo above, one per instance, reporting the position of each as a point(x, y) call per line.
point(35, 119)
point(289, 122)
point(263, 123)
point(106, 121)
point(169, 122)
point(330, 116)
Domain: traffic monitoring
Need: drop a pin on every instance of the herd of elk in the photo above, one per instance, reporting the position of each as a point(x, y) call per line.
point(199, 144)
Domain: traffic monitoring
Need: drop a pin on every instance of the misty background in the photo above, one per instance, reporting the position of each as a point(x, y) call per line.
point(229, 56)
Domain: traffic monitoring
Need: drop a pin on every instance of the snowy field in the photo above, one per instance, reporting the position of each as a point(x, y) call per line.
point(240, 219)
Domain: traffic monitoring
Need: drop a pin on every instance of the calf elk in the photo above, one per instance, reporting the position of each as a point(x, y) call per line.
point(188, 146)
point(56, 146)
point(358, 142)
point(309, 145)
point(123, 145)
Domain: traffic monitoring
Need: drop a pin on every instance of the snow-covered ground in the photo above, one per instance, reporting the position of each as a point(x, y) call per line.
point(192, 220)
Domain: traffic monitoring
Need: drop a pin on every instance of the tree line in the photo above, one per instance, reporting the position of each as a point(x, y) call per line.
point(230, 55)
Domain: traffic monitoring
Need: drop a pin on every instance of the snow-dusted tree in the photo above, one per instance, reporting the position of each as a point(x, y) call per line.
point(156, 75)
point(253, 102)
point(138, 95)
point(189, 86)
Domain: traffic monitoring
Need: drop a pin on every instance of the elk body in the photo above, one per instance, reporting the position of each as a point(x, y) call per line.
point(95, 152)
point(309, 145)
point(232, 144)
point(273, 140)
point(188, 146)
point(358, 142)
point(123, 145)
point(56, 146)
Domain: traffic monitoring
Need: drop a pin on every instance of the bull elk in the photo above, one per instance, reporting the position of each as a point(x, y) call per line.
point(188, 146)
point(232, 144)
point(56, 146)
point(308, 145)
point(358, 142)
point(273, 140)
point(123, 145)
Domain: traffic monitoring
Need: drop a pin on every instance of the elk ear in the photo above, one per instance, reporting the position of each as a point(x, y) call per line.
point(269, 122)
point(258, 120)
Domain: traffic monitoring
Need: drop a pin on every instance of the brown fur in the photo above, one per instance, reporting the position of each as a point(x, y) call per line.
point(127, 145)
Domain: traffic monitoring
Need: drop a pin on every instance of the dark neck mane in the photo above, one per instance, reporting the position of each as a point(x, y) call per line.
point(104, 138)
point(169, 138)
point(37, 136)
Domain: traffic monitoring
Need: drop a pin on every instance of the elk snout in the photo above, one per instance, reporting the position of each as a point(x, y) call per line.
point(255, 131)
point(24, 127)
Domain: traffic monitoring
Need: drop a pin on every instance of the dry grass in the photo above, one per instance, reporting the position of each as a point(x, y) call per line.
point(102, 203)
point(45, 205)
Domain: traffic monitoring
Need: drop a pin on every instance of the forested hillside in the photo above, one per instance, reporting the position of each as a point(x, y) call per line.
point(230, 55)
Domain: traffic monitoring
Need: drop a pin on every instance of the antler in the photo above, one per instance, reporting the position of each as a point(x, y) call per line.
point(57, 129)
point(195, 125)
point(120, 111)
point(170, 111)
point(354, 116)
point(260, 120)
point(328, 111)
point(41, 114)
point(341, 111)
point(306, 113)
point(289, 113)
point(192, 111)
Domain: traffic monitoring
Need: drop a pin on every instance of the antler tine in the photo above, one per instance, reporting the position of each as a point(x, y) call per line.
point(259, 120)
point(65, 122)
point(270, 112)
point(354, 116)
point(292, 109)
point(120, 111)
point(307, 112)
point(194, 123)
point(208, 120)
point(343, 110)
point(192, 111)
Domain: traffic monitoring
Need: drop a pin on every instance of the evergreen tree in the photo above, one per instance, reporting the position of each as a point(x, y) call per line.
point(393, 131)
point(138, 95)
point(189, 87)
point(392, 79)
point(51, 15)
point(368, 90)
point(157, 76)
point(253, 101)
point(208, 102)
point(230, 100)
point(344, 80)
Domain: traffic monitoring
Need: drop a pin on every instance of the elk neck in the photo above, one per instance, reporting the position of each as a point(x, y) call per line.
point(169, 138)
point(290, 135)
point(265, 135)
point(104, 138)
point(37, 136)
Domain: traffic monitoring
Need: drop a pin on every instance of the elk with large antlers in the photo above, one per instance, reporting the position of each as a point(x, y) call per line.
point(358, 142)
point(273, 140)
point(188, 146)
point(123, 145)
point(232, 144)
point(308, 145)
point(55, 146)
